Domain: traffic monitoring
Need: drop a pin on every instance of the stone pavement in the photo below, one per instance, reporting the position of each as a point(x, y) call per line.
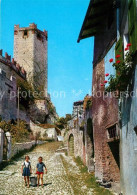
point(55, 182)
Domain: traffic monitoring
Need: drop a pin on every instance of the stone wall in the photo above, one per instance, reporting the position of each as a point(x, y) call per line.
point(89, 140)
point(24, 115)
point(1, 144)
point(11, 67)
point(39, 111)
point(10, 72)
point(13, 149)
point(20, 147)
point(50, 132)
point(30, 50)
point(78, 137)
point(104, 113)
point(78, 143)
point(128, 143)
point(8, 91)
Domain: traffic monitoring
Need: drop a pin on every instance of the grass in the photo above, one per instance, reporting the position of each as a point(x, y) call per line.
point(51, 146)
point(83, 179)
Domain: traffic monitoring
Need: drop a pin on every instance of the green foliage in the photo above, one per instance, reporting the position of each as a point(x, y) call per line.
point(26, 93)
point(88, 104)
point(123, 74)
point(68, 117)
point(18, 132)
point(82, 125)
point(62, 122)
point(79, 162)
point(51, 108)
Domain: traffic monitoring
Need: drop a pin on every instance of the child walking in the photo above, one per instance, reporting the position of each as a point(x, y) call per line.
point(40, 170)
point(26, 170)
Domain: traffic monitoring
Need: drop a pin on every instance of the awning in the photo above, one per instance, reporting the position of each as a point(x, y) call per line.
point(95, 19)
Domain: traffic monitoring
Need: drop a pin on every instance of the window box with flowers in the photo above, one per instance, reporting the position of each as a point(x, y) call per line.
point(123, 76)
point(124, 70)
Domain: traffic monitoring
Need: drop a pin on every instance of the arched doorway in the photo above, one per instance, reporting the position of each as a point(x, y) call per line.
point(71, 145)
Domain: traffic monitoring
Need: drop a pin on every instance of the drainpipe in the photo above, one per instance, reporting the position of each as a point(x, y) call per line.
point(117, 2)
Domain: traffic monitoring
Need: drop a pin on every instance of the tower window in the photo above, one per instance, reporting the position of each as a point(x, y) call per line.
point(25, 33)
point(39, 37)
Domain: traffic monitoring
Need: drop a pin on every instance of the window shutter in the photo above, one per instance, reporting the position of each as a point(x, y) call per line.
point(132, 24)
point(119, 50)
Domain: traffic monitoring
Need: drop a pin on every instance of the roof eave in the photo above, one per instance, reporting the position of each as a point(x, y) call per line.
point(88, 10)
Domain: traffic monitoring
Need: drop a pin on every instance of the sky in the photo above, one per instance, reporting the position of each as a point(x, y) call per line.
point(69, 62)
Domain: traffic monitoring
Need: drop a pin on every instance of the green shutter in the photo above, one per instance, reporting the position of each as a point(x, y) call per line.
point(119, 49)
point(132, 24)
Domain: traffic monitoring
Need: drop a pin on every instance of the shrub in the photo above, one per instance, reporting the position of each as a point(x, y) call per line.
point(19, 132)
point(26, 93)
point(88, 104)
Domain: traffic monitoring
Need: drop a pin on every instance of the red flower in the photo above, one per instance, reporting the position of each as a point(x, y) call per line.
point(120, 51)
point(107, 74)
point(129, 44)
point(126, 48)
point(118, 56)
point(111, 60)
point(101, 85)
point(105, 81)
point(118, 61)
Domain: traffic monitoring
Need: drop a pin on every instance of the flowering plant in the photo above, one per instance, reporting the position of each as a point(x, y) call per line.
point(123, 76)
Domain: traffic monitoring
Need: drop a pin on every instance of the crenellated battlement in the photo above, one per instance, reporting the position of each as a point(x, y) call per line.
point(12, 64)
point(32, 27)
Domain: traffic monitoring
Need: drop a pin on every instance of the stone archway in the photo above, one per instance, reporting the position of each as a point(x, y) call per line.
point(71, 145)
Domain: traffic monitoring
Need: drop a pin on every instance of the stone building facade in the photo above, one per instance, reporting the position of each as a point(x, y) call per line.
point(128, 130)
point(8, 97)
point(114, 134)
point(79, 135)
point(30, 50)
point(77, 109)
point(75, 135)
point(88, 133)
point(100, 22)
point(11, 67)
point(10, 71)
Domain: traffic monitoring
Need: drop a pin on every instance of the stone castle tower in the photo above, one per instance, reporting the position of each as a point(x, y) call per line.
point(30, 51)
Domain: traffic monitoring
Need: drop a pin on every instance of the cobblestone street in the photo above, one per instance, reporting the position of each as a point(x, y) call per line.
point(55, 182)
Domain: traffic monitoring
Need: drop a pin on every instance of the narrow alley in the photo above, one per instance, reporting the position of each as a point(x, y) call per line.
point(55, 182)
